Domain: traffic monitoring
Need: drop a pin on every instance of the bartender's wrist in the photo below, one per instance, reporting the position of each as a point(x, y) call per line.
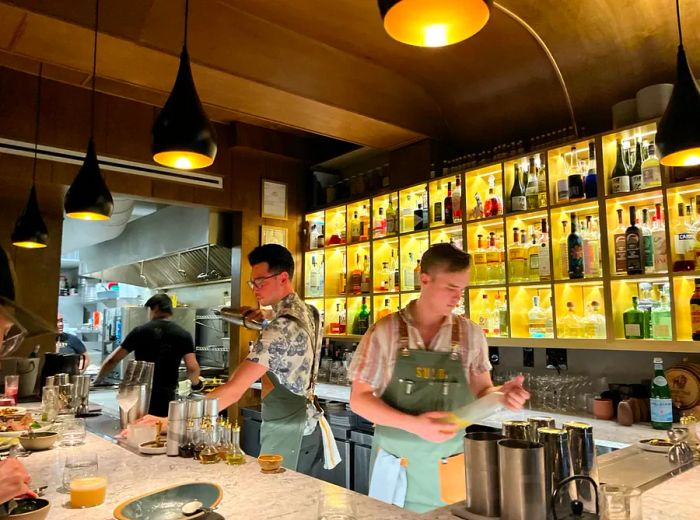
point(488, 390)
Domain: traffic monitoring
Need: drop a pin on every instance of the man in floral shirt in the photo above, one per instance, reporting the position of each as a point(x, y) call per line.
point(286, 357)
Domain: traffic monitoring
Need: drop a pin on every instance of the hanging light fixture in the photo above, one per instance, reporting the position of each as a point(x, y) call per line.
point(30, 230)
point(678, 136)
point(88, 198)
point(183, 137)
point(433, 23)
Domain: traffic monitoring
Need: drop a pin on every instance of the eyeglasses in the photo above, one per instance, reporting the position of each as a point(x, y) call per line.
point(258, 282)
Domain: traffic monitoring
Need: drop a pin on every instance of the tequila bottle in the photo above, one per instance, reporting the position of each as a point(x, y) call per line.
point(479, 271)
point(594, 322)
point(536, 319)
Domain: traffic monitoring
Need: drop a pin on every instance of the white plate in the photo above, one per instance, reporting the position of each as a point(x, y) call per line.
point(651, 447)
point(20, 410)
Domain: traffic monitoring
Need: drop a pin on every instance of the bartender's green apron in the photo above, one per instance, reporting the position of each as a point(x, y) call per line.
point(284, 412)
point(425, 381)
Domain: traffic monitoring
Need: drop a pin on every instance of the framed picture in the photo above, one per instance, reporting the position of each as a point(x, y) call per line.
point(274, 199)
point(273, 235)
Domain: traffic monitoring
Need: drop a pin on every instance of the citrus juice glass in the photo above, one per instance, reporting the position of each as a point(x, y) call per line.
point(87, 491)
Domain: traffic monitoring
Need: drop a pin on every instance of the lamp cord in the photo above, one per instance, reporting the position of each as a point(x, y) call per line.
point(678, 19)
point(187, 15)
point(36, 122)
point(94, 68)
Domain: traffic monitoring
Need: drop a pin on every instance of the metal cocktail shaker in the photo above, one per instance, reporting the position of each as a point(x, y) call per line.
point(82, 394)
point(194, 409)
point(536, 423)
point(522, 482)
point(481, 472)
point(583, 460)
point(557, 461)
point(176, 427)
point(519, 430)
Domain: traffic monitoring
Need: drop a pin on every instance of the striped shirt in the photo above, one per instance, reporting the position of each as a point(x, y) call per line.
point(375, 358)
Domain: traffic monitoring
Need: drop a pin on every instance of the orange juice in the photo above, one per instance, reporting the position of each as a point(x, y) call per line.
point(87, 491)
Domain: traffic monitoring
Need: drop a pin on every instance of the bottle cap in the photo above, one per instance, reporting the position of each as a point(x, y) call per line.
point(658, 360)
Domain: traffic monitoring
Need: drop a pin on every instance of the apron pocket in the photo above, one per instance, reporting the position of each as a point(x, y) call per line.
point(453, 486)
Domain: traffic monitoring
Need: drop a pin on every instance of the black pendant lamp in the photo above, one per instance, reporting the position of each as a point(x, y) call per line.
point(678, 136)
point(183, 137)
point(88, 198)
point(433, 23)
point(30, 230)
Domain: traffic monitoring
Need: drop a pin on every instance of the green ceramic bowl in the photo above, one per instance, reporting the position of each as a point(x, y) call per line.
point(166, 503)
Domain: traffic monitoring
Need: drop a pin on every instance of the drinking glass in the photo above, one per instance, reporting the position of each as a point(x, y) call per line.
point(72, 431)
point(620, 503)
point(335, 503)
point(79, 464)
point(87, 491)
point(49, 403)
point(12, 388)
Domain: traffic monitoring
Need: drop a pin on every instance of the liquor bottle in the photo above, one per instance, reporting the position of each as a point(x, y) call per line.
point(418, 218)
point(660, 402)
point(457, 202)
point(651, 169)
point(385, 311)
point(437, 206)
point(532, 186)
point(574, 179)
point(495, 316)
point(315, 288)
point(634, 246)
point(355, 282)
point(543, 262)
point(343, 319)
point(636, 182)
point(342, 277)
point(391, 219)
point(658, 239)
point(364, 223)
point(536, 319)
point(695, 312)
point(648, 243)
point(493, 260)
point(395, 269)
point(416, 276)
point(548, 320)
point(449, 219)
point(619, 178)
point(563, 184)
point(518, 202)
point(594, 322)
point(355, 227)
point(661, 319)
point(494, 204)
point(575, 251)
point(541, 183)
point(564, 250)
point(362, 319)
point(380, 224)
point(387, 278)
point(570, 325)
point(334, 326)
point(620, 245)
point(591, 248)
point(634, 321)
point(479, 271)
point(407, 216)
point(484, 314)
point(516, 259)
point(408, 281)
point(366, 284)
point(533, 260)
point(591, 184)
point(501, 267)
point(502, 314)
point(478, 209)
point(684, 242)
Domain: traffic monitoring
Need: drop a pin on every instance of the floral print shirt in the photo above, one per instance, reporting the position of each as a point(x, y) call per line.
point(285, 348)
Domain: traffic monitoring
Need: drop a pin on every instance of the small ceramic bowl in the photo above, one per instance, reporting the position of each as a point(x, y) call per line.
point(151, 448)
point(30, 509)
point(38, 441)
point(270, 463)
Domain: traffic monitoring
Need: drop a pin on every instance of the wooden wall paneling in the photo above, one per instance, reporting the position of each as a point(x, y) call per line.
point(411, 164)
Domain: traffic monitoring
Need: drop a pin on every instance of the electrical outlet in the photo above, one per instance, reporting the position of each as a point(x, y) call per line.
point(494, 356)
point(529, 357)
point(556, 358)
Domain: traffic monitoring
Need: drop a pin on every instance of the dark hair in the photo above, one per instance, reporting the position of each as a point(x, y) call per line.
point(162, 301)
point(444, 257)
point(278, 258)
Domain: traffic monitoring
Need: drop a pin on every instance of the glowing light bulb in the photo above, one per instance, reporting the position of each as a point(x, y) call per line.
point(183, 163)
point(436, 35)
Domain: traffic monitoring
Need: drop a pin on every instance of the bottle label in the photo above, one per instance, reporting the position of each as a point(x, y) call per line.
point(634, 253)
point(648, 251)
point(620, 253)
point(543, 262)
point(516, 253)
point(493, 257)
point(659, 246)
point(576, 259)
point(479, 258)
point(661, 410)
point(637, 183)
point(620, 184)
point(633, 330)
point(391, 223)
point(518, 203)
point(437, 212)
point(535, 262)
point(591, 259)
point(661, 331)
point(651, 175)
point(562, 190)
point(695, 318)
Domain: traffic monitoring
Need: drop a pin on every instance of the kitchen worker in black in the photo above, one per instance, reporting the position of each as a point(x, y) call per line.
point(67, 344)
point(164, 343)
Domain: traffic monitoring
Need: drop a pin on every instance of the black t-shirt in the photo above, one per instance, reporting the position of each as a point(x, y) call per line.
point(164, 343)
point(73, 345)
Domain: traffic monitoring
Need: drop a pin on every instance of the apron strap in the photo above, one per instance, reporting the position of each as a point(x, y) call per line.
point(402, 334)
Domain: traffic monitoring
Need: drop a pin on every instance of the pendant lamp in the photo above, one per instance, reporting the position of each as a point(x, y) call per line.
point(88, 198)
point(678, 135)
point(433, 23)
point(30, 230)
point(183, 137)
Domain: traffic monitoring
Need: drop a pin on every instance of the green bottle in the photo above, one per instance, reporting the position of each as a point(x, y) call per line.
point(634, 321)
point(660, 402)
point(362, 320)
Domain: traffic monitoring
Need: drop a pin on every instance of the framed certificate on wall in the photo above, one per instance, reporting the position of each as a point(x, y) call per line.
point(273, 235)
point(274, 199)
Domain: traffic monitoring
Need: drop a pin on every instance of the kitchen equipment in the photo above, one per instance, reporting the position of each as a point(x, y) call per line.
point(536, 423)
point(519, 430)
point(557, 461)
point(26, 368)
point(481, 472)
point(583, 460)
point(176, 427)
point(211, 410)
point(577, 509)
point(521, 479)
point(195, 409)
point(82, 390)
point(235, 317)
point(55, 363)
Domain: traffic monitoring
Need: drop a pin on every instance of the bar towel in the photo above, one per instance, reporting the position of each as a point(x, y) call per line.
point(331, 455)
point(388, 482)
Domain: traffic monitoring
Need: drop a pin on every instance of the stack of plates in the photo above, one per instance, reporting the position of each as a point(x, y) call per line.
point(343, 419)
